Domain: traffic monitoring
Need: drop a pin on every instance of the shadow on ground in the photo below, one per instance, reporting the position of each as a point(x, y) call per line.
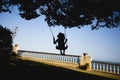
point(28, 70)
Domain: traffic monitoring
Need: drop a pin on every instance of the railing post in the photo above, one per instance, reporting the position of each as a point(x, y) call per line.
point(85, 61)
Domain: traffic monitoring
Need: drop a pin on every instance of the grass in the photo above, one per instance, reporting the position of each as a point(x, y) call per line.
point(25, 69)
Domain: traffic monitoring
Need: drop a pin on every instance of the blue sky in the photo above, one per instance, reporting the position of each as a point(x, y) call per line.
point(102, 44)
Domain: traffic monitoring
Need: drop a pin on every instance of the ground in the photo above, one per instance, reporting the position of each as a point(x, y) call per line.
point(22, 69)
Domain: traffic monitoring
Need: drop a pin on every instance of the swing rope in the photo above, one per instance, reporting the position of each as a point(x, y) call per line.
point(51, 32)
point(65, 35)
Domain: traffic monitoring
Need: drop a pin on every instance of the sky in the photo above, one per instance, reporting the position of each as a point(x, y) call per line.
point(34, 35)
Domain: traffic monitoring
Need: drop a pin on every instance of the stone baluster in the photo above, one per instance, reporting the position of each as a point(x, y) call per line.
point(118, 69)
point(110, 68)
point(66, 58)
point(69, 59)
point(93, 66)
point(52, 57)
point(106, 67)
point(72, 59)
point(57, 58)
point(114, 68)
point(45, 57)
point(97, 66)
point(42, 56)
point(60, 58)
point(100, 66)
point(63, 59)
point(76, 59)
point(49, 57)
point(103, 67)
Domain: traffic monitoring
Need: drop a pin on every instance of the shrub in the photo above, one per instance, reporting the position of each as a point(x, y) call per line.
point(85, 67)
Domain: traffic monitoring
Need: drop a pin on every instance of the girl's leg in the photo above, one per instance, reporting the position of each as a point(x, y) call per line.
point(61, 52)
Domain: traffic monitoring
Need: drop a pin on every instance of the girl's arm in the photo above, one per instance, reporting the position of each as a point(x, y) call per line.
point(65, 40)
point(54, 40)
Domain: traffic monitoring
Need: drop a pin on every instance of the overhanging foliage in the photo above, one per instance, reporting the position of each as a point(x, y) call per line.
point(68, 13)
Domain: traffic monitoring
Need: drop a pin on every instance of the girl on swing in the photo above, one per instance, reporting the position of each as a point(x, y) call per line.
point(61, 43)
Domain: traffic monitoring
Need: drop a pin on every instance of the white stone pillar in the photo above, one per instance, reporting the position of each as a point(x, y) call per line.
point(85, 59)
point(15, 49)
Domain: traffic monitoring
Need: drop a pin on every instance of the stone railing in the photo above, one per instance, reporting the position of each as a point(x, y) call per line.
point(105, 66)
point(51, 56)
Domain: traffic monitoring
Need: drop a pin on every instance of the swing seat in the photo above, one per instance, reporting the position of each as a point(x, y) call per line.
point(61, 48)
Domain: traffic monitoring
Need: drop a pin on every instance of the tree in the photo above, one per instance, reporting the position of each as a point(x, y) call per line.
point(5, 41)
point(68, 13)
point(5, 48)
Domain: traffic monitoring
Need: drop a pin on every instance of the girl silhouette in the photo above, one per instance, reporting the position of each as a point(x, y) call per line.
point(61, 43)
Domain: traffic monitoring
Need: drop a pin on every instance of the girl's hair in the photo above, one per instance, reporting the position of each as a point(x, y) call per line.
point(61, 35)
point(16, 44)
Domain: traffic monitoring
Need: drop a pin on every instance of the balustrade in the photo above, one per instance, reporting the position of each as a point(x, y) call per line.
point(106, 67)
point(46, 56)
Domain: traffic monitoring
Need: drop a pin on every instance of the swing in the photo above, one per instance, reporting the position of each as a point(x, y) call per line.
point(61, 45)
